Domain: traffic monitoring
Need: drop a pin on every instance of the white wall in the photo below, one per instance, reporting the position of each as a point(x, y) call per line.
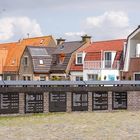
point(101, 73)
point(86, 72)
point(74, 74)
point(109, 73)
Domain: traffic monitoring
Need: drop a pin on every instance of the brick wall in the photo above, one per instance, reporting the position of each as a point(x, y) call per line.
point(21, 103)
point(133, 100)
point(46, 102)
point(69, 105)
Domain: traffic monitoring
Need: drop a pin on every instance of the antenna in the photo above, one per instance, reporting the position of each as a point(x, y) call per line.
point(28, 35)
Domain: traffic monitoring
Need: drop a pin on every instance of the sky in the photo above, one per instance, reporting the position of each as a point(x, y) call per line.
point(69, 19)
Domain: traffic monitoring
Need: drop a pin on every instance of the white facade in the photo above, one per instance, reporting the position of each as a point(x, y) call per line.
point(75, 74)
point(131, 51)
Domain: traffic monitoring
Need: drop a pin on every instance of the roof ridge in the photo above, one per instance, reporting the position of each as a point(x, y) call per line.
point(108, 40)
point(37, 37)
point(8, 43)
point(73, 41)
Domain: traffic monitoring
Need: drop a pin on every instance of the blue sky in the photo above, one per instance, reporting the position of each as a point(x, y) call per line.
point(102, 19)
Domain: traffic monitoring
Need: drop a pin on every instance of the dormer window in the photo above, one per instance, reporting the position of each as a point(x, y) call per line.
point(13, 62)
point(79, 58)
point(41, 42)
point(41, 62)
point(61, 58)
point(25, 61)
point(61, 47)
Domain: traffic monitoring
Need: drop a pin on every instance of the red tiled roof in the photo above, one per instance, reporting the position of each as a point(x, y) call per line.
point(90, 56)
point(75, 67)
point(93, 51)
point(110, 45)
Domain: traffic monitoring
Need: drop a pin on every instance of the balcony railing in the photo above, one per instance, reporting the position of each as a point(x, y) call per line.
point(99, 65)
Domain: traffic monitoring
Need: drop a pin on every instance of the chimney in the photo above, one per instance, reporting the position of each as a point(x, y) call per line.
point(86, 38)
point(60, 41)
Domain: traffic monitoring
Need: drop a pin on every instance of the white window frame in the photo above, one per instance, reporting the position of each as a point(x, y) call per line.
point(41, 62)
point(93, 75)
point(42, 76)
point(77, 58)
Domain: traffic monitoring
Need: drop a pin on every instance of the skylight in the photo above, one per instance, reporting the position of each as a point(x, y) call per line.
point(41, 62)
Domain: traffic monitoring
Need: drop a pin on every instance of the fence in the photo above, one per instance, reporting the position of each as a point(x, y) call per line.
point(66, 96)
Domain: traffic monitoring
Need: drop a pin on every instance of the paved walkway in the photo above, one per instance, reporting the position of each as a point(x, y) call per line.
point(72, 126)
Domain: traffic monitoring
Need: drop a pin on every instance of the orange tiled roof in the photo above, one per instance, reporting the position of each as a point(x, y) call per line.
point(15, 51)
point(3, 54)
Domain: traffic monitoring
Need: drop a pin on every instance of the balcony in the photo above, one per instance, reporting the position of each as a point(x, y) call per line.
point(101, 65)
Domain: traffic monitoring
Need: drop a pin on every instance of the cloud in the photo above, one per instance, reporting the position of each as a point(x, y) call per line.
point(109, 25)
point(18, 27)
point(109, 19)
point(74, 33)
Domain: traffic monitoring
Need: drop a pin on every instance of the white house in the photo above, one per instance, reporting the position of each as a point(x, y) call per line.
point(132, 56)
point(99, 61)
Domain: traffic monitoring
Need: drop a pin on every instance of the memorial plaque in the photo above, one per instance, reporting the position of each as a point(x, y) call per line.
point(80, 101)
point(34, 103)
point(100, 101)
point(9, 103)
point(119, 100)
point(57, 102)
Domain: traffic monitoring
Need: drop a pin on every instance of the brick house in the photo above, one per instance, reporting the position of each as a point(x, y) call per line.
point(64, 56)
point(36, 63)
point(15, 51)
point(131, 69)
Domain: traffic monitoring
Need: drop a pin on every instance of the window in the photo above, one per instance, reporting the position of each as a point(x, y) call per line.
point(93, 77)
point(24, 78)
point(14, 61)
point(137, 76)
point(79, 78)
point(108, 59)
point(79, 58)
point(8, 78)
point(62, 47)
point(41, 42)
point(42, 77)
point(61, 58)
point(41, 62)
point(25, 61)
point(28, 78)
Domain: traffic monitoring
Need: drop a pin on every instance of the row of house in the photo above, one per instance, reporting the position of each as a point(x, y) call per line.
point(43, 58)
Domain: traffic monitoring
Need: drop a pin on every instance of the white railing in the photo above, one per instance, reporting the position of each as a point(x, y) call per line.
point(98, 65)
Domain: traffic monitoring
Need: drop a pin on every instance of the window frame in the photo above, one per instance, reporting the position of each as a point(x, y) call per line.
point(77, 63)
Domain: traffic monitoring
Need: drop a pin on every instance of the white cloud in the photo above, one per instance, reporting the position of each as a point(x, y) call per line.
point(18, 27)
point(109, 19)
point(71, 36)
point(109, 25)
point(74, 33)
